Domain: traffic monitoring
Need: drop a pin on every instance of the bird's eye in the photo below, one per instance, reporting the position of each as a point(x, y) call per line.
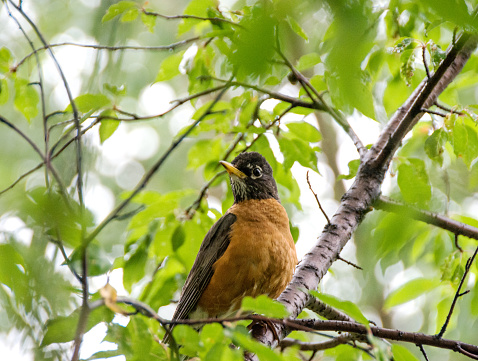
point(256, 172)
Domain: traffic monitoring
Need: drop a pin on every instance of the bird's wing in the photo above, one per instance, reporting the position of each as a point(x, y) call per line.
point(212, 248)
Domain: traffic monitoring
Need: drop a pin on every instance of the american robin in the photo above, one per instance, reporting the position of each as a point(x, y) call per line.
point(249, 251)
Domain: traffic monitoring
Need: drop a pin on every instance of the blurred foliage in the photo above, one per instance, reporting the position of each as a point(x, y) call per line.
point(140, 74)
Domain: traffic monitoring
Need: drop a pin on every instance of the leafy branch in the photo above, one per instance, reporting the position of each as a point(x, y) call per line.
point(366, 188)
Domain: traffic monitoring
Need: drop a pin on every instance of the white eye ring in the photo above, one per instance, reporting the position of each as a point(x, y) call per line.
point(256, 173)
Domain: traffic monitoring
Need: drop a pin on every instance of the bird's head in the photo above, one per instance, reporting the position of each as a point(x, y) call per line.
point(251, 177)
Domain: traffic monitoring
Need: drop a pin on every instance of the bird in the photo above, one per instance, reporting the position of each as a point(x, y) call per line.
point(249, 251)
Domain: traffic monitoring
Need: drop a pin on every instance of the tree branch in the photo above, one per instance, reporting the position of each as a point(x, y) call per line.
point(458, 293)
point(389, 334)
point(365, 189)
point(458, 228)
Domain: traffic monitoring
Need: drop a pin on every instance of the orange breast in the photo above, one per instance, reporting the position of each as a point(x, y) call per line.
point(260, 258)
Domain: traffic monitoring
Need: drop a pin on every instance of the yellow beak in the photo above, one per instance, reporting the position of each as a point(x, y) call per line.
point(232, 170)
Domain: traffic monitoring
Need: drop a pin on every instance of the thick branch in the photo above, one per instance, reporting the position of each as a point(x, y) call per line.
point(366, 188)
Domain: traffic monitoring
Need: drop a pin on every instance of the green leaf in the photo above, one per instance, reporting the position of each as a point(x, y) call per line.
point(118, 9)
point(297, 150)
point(263, 352)
point(305, 131)
point(108, 126)
point(252, 55)
point(169, 68)
point(413, 181)
point(465, 141)
point(348, 307)
point(407, 70)
point(129, 15)
point(265, 306)
point(308, 61)
point(98, 261)
point(188, 338)
point(436, 54)
point(434, 145)
point(197, 8)
point(5, 60)
point(404, 44)
point(409, 291)
point(49, 210)
point(149, 21)
point(26, 98)
point(3, 91)
point(63, 328)
point(401, 353)
point(178, 237)
point(115, 90)
point(88, 102)
point(353, 168)
point(295, 26)
point(11, 270)
point(161, 290)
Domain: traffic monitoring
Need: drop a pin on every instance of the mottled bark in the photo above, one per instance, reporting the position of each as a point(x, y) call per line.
point(357, 201)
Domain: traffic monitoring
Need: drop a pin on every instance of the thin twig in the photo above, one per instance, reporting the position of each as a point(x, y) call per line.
point(434, 112)
point(447, 109)
point(422, 350)
point(109, 48)
point(65, 256)
point(457, 245)
point(194, 17)
point(317, 199)
point(458, 294)
point(349, 263)
point(424, 59)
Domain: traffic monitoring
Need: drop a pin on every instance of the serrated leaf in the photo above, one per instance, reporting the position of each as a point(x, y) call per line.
point(26, 98)
point(169, 68)
point(118, 9)
point(407, 70)
point(413, 181)
point(347, 307)
point(295, 26)
point(297, 150)
point(435, 143)
point(409, 291)
point(305, 131)
point(265, 306)
point(308, 61)
point(403, 44)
